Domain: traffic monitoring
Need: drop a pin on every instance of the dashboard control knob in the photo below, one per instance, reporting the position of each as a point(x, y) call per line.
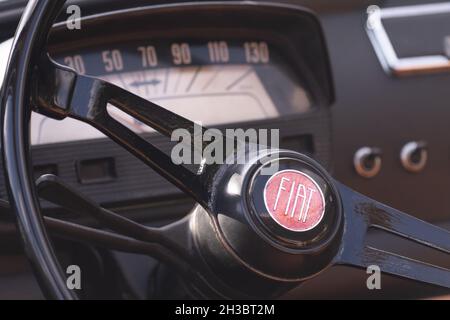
point(414, 156)
point(367, 161)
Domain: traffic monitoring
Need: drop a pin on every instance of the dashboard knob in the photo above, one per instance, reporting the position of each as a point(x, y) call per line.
point(414, 156)
point(367, 161)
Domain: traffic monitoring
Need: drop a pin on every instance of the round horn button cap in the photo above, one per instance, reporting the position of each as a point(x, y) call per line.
point(294, 200)
point(293, 203)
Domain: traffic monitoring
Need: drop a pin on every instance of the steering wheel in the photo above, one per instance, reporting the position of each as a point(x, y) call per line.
point(243, 239)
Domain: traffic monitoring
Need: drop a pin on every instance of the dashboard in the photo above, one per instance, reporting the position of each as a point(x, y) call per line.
point(244, 65)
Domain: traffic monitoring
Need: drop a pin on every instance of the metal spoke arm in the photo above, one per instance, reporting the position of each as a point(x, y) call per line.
point(53, 189)
point(149, 241)
point(60, 92)
point(101, 238)
point(362, 214)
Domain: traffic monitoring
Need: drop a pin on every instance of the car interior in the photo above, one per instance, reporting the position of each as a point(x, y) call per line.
point(348, 101)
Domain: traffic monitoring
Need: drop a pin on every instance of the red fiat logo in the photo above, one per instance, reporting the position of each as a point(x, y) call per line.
point(294, 200)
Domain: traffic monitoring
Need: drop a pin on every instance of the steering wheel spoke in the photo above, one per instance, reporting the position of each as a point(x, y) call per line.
point(61, 93)
point(363, 214)
point(53, 189)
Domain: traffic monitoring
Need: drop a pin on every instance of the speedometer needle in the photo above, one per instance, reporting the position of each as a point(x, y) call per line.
point(153, 82)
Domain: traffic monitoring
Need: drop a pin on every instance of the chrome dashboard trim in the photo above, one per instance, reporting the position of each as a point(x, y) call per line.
point(384, 49)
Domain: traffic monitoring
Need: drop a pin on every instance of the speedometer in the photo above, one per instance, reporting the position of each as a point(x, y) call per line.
point(214, 82)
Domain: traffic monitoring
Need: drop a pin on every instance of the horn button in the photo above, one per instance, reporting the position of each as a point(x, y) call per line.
point(294, 200)
point(294, 207)
point(284, 225)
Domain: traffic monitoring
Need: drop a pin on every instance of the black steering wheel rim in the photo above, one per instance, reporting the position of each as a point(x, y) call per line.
point(359, 212)
point(30, 39)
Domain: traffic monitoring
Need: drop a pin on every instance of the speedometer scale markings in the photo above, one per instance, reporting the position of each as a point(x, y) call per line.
point(204, 94)
point(213, 82)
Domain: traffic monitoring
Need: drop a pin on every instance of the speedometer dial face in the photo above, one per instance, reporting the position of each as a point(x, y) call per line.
point(207, 94)
point(213, 83)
